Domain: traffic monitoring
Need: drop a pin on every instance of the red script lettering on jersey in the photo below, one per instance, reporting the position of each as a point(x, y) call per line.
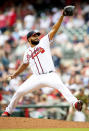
point(35, 53)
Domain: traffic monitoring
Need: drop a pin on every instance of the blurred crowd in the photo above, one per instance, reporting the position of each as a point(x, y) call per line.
point(70, 56)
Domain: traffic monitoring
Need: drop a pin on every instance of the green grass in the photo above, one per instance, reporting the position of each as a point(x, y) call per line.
point(55, 129)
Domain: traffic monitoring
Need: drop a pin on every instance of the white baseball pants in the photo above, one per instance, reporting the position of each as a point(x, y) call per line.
point(36, 81)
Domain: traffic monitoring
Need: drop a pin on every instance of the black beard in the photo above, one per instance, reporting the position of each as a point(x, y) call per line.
point(35, 42)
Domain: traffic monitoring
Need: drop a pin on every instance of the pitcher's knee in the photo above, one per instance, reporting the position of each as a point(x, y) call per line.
point(19, 93)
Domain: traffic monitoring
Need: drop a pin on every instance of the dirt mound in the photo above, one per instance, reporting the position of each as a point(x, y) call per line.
point(21, 122)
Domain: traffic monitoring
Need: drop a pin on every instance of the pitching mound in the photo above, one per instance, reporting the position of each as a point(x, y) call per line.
point(21, 122)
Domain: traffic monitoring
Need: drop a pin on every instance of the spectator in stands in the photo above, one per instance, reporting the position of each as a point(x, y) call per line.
point(11, 17)
point(3, 22)
point(29, 20)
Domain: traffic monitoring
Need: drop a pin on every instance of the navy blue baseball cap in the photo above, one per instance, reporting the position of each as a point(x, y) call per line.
point(32, 33)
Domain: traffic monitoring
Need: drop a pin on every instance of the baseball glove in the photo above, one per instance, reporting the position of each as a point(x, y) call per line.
point(68, 10)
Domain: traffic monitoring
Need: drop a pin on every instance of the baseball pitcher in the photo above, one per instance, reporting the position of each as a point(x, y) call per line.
point(38, 55)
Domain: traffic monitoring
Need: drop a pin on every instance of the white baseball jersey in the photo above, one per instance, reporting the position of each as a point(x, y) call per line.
point(39, 57)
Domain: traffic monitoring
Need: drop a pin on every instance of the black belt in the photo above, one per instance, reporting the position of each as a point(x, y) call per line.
point(47, 72)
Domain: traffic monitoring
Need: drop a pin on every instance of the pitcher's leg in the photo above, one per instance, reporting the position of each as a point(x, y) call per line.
point(55, 81)
point(14, 101)
point(66, 93)
point(25, 88)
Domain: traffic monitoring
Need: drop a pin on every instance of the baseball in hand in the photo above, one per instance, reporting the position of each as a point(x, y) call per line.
point(9, 78)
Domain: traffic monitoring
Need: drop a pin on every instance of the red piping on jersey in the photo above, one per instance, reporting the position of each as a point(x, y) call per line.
point(35, 63)
point(40, 64)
